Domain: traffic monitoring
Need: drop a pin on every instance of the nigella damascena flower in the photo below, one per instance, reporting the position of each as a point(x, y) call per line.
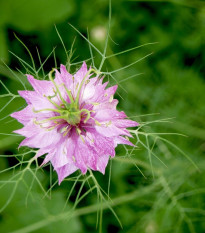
point(73, 120)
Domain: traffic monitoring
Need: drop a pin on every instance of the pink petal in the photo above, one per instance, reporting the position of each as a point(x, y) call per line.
point(65, 74)
point(38, 101)
point(63, 77)
point(65, 171)
point(80, 74)
point(103, 115)
point(99, 144)
point(106, 105)
point(42, 87)
point(41, 152)
point(25, 115)
point(121, 140)
point(124, 123)
point(102, 163)
point(63, 154)
point(81, 154)
point(110, 91)
point(111, 131)
point(48, 157)
point(41, 138)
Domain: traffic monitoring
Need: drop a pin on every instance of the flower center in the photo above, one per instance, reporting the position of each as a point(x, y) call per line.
point(72, 116)
point(70, 112)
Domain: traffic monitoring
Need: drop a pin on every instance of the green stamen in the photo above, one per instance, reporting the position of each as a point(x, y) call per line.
point(47, 109)
point(49, 119)
point(81, 84)
point(96, 122)
point(88, 114)
point(55, 94)
point(51, 101)
point(66, 132)
point(68, 93)
point(56, 86)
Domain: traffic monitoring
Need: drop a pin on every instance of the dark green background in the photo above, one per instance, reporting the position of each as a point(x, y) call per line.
point(172, 85)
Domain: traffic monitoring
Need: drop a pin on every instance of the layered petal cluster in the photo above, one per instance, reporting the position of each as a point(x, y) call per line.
point(73, 120)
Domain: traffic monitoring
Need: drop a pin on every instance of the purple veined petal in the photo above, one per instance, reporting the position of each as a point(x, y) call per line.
point(42, 87)
point(80, 153)
point(100, 93)
point(85, 156)
point(73, 82)
point(99, 89)
point(110, 91)
point(122, 140)
point(63, 154)
point(88, 92)
point(38, 101)
point(91, 161)
point(65, 74)
point(25, 115)
point(42, 139)
point(60, 159)
point(27, 95)
point(102, 163)
point(111, 131)
point(108, 114)
point(48, 158)
point(65, 171)
point(63, 77)
point(30, 129)
point(28, 117)
point(41, 151)
point(99, 144)
point(125, 123)
point(104, 106)
point(80, 74)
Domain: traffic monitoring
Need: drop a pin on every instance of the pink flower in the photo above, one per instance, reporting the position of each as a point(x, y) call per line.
point(73, 119)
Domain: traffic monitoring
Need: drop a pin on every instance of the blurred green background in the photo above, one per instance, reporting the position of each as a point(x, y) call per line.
point(172, 86)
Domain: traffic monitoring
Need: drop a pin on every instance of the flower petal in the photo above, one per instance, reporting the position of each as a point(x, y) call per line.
point(121, 140)
point(39, 138)
point(111, 131)
point(80, 74)
point(102, 163)
point(125, 123)
point(38, 101)
point(25, 115)
point(65, 171)
point(42, 87)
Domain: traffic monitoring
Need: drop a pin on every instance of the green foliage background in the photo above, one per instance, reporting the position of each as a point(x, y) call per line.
point(169, 199)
